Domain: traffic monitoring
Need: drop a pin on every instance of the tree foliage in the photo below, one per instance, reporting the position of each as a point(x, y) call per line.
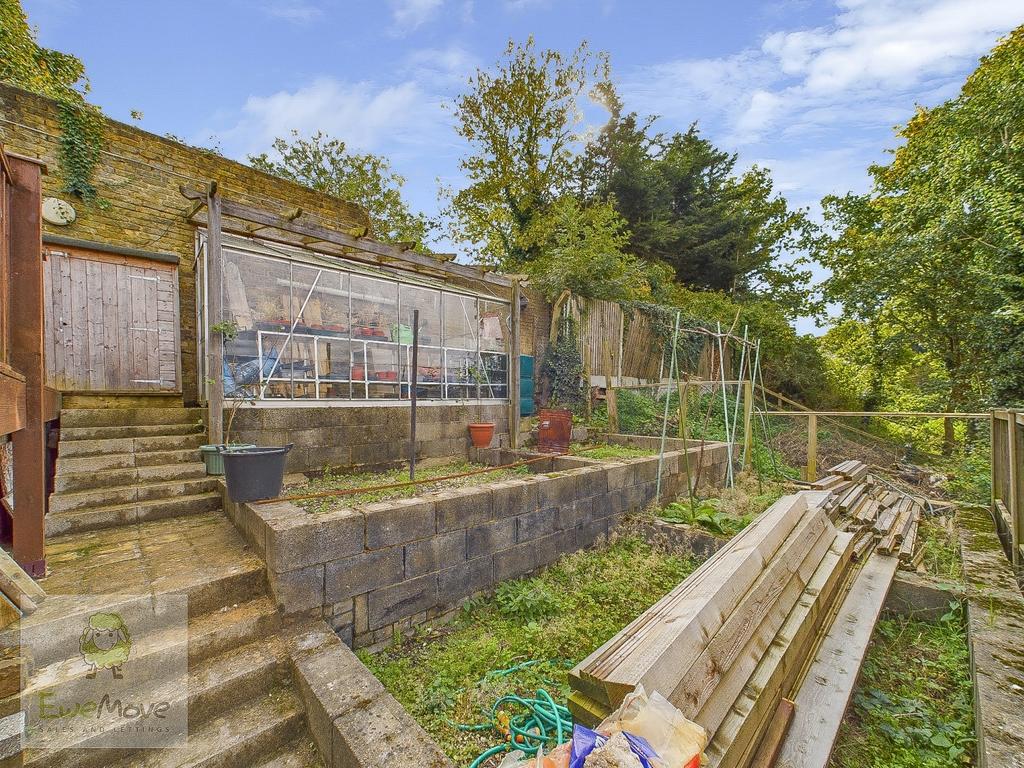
point(935, 253)
point(687, 206)
point(325, 164)
point(59, 76)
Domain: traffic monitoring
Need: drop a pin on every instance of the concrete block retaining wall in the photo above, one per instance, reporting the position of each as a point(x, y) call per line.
point(366, 437)
point(388, 566)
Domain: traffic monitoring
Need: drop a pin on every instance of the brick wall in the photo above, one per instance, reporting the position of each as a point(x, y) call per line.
point(388, 566)
point(369, 437)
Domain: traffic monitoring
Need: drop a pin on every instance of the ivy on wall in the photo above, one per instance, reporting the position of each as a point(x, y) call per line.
point(59, 76)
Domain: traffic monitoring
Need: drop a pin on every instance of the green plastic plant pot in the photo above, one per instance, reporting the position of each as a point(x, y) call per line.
point(212, 458)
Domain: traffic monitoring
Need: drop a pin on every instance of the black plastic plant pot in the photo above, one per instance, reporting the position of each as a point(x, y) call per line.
point(254, 473)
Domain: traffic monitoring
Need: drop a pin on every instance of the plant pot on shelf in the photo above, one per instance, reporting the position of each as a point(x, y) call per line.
point(481, 434)
point(212, 459)
point(254, 473)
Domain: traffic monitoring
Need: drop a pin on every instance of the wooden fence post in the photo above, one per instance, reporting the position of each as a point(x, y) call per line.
point(1013, 503)
point(748, 411)
point(812, 447)
point(214, 315)
point(515, 381)
point(612, 398)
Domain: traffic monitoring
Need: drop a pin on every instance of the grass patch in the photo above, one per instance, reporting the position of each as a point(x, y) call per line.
point(913, 707)
point(452, 674)
point(941, 551)
point(331, 481)
point(608, 451)
point(731, 511)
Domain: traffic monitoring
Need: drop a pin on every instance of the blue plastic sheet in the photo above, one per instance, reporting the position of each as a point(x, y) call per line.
point(585, 741)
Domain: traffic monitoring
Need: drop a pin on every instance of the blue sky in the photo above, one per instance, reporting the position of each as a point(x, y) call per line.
point(809, 88)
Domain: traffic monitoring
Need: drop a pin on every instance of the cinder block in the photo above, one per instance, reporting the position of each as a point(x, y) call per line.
point(434, 554)
point(386, 606)
point(591, 482)
point(465, 579)
point(490, 538)
point(389, 523)
point(298, 590)
point(516, 497)
point(303, 539)
point(646, 469)
point(365, 572)
point(601, 506)
point(547, 549)
point(384, 734)
point(590, 533)
point(332, 682)
point(514, 562)
point(533, 525)
point(554, 491)
point(462, 508)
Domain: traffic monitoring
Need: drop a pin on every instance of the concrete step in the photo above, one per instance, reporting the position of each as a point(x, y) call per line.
point(218, 631)
point(133, 430)
point(70, 482)
point(119, 417)
point(102, 462)
point(238, 738)
point(120, 495)
point(150, 510)
point(301, 753)
point(76, 448)
point(246, 674)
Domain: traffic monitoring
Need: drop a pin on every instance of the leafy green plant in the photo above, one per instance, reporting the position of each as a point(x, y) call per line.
point(563, 367)
point(706, 515)
point(526, 600)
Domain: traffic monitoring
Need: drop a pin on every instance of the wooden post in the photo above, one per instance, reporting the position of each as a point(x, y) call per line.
point(812, 447)
point(413, 380)
point(214, 315)
point(1013, 502)
point(612, 397)
point(748, 411)
point(514, 377)
point(26, 357)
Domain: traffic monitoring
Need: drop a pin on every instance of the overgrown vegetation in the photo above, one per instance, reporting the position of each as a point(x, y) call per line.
point(453, 674)
point(60, 76)
point(728, 513)
point(913, 707)
point(608, 451)
point(938, 540)
point(332, 481)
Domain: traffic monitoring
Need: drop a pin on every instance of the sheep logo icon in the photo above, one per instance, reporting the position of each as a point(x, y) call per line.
point(105, 644)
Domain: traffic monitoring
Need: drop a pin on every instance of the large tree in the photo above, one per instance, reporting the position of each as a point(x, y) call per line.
point(687, 206)
point(522, 123)
point(326, 164)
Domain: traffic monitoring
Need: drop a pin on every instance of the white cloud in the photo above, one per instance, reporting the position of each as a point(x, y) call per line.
point(294, 11)
point(367, 116)
point(408, 15)
point(440, 68)
point(869, 65)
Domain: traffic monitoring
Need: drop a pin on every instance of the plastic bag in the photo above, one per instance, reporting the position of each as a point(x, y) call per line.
point(678, 742)
point(585, 741)
point(556, 758)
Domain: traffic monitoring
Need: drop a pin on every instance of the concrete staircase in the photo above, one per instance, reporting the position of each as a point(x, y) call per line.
point(118, 466)
point(242, 708)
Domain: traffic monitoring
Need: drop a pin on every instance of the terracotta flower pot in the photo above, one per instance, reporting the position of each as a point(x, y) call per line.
point(481, 434)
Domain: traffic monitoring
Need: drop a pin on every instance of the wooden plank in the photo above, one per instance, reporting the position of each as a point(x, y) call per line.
point(740, 732)
point(112, 337)
point(12, 402)
point(66, 380)
point(812, 447)
point(771, 743)
point(215, 341)
point(808, 542)
point(94, 325)
point(822, 699)
point(79, 372)
point(153, 376)
point(661, 643)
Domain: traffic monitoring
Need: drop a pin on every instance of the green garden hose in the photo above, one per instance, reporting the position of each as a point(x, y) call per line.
point(543, 723)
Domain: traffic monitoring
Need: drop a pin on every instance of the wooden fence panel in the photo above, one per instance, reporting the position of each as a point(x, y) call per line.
point(1008, 481)
point(111, 323)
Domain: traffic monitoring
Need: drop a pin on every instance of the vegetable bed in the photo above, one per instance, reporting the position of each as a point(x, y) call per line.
point(523, 638)
point(373, 481)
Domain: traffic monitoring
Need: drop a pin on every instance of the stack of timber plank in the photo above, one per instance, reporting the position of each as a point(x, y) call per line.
point(731, 641)
point(861, 502)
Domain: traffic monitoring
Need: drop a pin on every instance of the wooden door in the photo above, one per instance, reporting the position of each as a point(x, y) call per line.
point(111, 323)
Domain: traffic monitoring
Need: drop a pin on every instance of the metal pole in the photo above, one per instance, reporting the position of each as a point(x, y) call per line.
point(725, 405)
point(664, 419)
point(412, 389)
